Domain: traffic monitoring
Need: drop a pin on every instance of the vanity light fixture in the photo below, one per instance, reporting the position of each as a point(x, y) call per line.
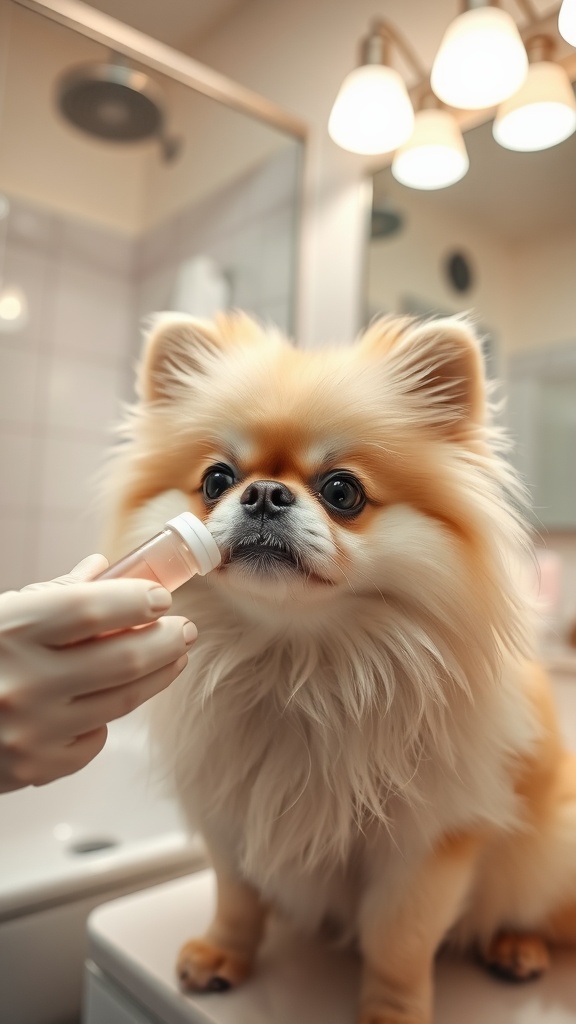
point(482, 64)
point(567, 21)
point(372, 113)
point(435, 155)
point(481, 60)
point(543, 111)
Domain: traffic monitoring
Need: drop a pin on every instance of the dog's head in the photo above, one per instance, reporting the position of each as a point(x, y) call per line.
point(363, 470)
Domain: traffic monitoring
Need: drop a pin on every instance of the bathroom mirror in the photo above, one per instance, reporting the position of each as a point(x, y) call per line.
point(124, 190)
point(500, 243)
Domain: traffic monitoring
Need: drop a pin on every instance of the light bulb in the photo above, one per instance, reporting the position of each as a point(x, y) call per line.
point(541, 114)
point(435, 155)
point(567, 21)
point(481, 60)
point(372, 112)
point(13, 309)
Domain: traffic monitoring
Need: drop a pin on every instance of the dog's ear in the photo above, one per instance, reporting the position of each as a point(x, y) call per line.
point(180, 350)
point(176, 348)
point(438, 363)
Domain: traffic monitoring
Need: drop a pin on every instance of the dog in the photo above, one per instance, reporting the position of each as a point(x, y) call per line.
point(361, 735)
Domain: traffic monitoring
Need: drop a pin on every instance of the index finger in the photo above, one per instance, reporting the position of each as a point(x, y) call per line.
point(68, 615)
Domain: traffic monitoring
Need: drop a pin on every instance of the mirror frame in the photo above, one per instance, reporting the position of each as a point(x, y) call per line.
point(167, 60)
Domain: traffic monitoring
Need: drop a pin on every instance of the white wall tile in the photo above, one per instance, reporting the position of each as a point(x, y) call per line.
point(104, 250)
point(158, 247)
point(82, 394)
point(275, 182)
point(19, 369)
point(196, 228)
point(17, 451)
point(215, 217)
point(278, 255)
point(156, 292)
point(67, 475)
point(277, 314)
point(93, 312)
point(63, 540)
point(241, 257)
point(33, 226)
point(31, 271)
point(17, 550)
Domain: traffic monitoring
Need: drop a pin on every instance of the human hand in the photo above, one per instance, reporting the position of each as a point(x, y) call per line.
point(71, 661)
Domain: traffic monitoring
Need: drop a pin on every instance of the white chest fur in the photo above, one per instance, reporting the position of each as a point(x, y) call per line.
point(294, 751)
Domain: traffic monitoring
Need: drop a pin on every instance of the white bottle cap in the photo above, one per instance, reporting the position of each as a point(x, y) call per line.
point(199, 540)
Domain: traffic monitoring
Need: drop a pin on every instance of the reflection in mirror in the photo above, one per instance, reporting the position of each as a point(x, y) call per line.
point(500, 243)
point(122, 192)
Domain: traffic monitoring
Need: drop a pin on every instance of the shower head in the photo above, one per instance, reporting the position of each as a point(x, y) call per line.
point(114, 102)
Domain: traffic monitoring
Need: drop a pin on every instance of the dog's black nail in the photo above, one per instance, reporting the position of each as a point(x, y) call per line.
point(506, 973)
point(218, 984)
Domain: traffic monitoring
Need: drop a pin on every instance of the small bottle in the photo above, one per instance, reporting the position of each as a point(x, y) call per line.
point(172, 557)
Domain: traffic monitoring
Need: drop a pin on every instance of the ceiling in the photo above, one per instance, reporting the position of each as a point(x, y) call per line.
point(174, 22)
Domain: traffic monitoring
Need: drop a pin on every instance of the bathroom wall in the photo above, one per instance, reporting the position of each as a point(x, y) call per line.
point(504, 275)
point(409, 267)
point(545, 271)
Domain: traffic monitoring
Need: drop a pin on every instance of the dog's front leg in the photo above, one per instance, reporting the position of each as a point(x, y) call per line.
point(224, 956)
point(401, 930)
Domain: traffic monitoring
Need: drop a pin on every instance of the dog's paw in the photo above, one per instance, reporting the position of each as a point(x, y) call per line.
point(203, 967)
point(517, 957)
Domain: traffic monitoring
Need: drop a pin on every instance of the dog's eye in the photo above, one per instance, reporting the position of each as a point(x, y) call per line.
point(343, 493)
point(216, 481)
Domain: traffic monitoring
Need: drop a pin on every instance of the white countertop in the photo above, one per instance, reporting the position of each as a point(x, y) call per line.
point(135, 940)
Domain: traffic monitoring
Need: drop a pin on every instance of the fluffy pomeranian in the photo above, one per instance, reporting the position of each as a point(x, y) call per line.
point(360, 735)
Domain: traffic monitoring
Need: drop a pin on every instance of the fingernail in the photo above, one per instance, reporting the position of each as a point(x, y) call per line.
point(189, 632)
point(159, 599)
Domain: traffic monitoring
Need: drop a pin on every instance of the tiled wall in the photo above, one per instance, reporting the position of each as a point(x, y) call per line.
point(64, 376)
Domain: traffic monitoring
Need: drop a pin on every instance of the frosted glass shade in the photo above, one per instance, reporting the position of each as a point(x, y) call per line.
point(567, 21)
point(372, 112)
point(435, 155)
point(481, 60)
point(541, 114)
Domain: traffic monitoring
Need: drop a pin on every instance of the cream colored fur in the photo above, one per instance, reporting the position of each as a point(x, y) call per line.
point(332, 742)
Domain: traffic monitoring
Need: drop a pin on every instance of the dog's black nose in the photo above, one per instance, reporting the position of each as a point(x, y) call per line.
point(266, 497)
